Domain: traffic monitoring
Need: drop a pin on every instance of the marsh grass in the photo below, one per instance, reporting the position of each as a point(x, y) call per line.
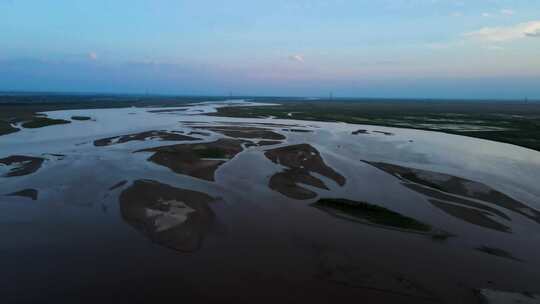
point(519, 123)
point(80, 118)
point(372, 213)
point(40, 122)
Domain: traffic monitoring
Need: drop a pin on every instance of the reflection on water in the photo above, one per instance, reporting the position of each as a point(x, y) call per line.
point(172, 217)
point(345, 273)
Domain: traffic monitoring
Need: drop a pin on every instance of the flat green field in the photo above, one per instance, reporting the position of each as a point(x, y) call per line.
point(510, 122)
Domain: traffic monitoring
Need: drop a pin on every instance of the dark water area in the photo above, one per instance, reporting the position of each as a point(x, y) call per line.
point(154, 205)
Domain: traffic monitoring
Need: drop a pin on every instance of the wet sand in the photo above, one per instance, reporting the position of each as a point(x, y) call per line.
point(197, 160)
point(300, 161)
point(22, 165)
point(457, 186)
point(172, 217)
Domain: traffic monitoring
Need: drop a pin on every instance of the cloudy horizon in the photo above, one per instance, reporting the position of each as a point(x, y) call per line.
point(402, 48)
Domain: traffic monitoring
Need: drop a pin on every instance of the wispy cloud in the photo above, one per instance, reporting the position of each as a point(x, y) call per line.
point(92, 56)
point(533, 34)
point(506, 33)
point(495, 48)
point(502, 12)
point(297, 58)
point(445, 45)
point(507, 12)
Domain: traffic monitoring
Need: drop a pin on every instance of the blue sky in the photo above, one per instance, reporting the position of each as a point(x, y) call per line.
point(386, 48)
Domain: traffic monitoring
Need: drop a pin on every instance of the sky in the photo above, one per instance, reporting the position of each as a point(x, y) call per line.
point(354, 48)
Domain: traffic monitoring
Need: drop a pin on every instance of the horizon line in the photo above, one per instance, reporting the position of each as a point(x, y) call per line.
point(328, 98)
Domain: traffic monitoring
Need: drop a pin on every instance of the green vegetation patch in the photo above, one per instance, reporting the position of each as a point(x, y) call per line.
point(509, 122)
point(497, 252)
point(80, 118)
point(372, 213)
point(40, 122)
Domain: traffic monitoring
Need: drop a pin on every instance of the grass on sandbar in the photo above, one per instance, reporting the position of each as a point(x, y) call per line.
point(372, 213)
point(40, 122)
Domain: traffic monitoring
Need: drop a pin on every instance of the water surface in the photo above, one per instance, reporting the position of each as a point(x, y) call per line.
point(135, 219)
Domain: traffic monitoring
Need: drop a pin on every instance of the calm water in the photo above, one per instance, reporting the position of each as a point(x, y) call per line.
point(107, 223)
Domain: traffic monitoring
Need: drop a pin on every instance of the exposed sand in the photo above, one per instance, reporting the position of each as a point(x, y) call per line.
point(300, 160)
point(196, 160)
point(461, 187)
point(172, 217)
point(473, 216)
point(23, 165)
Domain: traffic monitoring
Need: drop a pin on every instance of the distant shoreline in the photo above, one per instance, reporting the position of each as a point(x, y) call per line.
point(279, 98)
point(503, 121)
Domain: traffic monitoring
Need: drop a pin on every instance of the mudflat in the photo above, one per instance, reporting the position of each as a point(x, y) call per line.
point(301, 161)
point(172, 217)
point(196, 160)
point(22, 165)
